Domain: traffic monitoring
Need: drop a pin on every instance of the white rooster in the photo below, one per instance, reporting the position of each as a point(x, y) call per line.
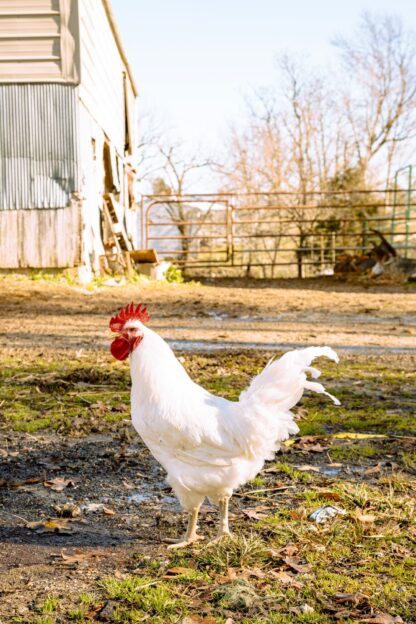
point(208, 446)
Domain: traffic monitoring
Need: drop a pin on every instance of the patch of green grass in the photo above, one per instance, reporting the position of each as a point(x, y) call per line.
point(76, 615)
point(311, 427)
point(238, 595)
point(257, 482)
point(49, 605)
point(63, 397)
point(88, 599)
point(352, 453)
point(409, 459)
point(61, 392)
point(236, 552)
point(290, 471)
point(153, 597)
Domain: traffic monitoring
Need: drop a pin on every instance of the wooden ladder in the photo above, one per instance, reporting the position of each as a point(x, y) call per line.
point(121, 240)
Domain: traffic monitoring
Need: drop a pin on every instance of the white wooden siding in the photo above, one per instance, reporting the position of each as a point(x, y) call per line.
point(102, 67)
point(38, 41)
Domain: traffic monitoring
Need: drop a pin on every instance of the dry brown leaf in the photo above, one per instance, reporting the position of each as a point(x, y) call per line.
point(307, 467)
point(198, 619)
point(286, 579)
point(298, 514)
point(289, 550)
point(246, 573)
point(108, 512)
point(68, 510)
point(383, 618)
point(256, 513)
point(294, 564)
point(58, 484)
point(353, 599)
point(78, 556)
point(373, 470)
point(128, 486)
point(364, 518)
point(4, 483)
point(312, 444)
point(317, 448)
point(328, 495)
point(51, 525)
point(95, 610)
point(176, 571)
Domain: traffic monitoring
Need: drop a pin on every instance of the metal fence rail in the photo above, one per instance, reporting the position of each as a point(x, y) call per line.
point(263, 232)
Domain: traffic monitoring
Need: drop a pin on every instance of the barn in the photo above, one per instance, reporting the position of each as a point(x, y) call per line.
point(67, 124)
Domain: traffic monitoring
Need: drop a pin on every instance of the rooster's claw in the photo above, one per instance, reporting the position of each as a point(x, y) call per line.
point(182, 543)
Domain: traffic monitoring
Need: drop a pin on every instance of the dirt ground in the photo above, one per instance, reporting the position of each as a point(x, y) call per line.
point(110, 505)
point(355, 317)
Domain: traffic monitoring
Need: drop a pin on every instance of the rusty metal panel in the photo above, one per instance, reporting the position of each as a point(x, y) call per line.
point(40, 238)
point(39, 163)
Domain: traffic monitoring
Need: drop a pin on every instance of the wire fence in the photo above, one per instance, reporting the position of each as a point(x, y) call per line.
point(277, 234)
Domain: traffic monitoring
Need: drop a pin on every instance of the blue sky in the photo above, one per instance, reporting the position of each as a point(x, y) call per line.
point(193, 60)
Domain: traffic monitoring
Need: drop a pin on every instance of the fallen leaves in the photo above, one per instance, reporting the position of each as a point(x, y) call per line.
point(290, 562)
point(11, 485)
point(59, 484)
point(294, 564)
point(257, 513)
point(358, 436)
point(51, 525)
point(329, 495)
point(68, 510)
point(383, 618)
point(363, 517)
point(199, 619)
point(95, 507)
point(307, 468)
point(79, 556)
point(372, 470)
point(176, 571)
point(311, 444)
point(286, 579)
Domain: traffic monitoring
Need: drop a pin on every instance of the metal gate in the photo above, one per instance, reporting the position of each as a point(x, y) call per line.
point(274, 234)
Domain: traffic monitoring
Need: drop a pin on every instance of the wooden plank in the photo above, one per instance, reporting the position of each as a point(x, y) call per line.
point(40, 238)
point(146, 256)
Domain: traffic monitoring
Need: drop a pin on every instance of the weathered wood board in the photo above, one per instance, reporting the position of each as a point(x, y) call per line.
point(40, 238)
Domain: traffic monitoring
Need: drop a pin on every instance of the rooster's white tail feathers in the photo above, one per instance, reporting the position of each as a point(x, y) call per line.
point(266, 403)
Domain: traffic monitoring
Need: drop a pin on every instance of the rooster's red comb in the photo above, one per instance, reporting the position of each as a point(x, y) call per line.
point(127, 314)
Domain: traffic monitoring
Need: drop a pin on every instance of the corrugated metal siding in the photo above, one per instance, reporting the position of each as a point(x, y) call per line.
point(39, 160)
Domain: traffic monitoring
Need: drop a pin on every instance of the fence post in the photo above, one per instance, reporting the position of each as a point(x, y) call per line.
point(408, 209)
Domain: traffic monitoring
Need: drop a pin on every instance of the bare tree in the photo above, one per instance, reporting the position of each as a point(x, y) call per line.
point(380, 96)
point(327, 132)
point(177, 172)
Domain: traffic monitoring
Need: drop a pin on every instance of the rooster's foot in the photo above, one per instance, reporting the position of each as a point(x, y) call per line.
point(186, 541)
point(221, 536)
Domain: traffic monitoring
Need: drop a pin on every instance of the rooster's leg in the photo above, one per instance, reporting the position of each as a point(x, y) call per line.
point(191, 535)
point(224, 529)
